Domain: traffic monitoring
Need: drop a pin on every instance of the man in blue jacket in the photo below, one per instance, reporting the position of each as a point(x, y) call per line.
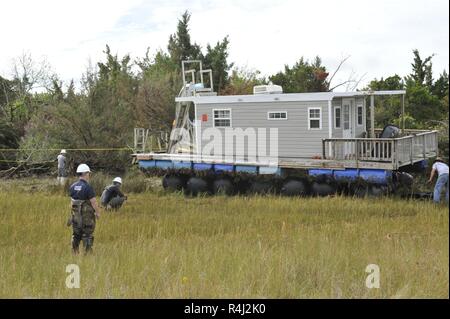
point(84, 210)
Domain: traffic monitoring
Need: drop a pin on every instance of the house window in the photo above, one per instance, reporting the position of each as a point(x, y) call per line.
point(222, 118)
point(314, 118)
point(277, 115)
point(337, 117)
point(360, 115)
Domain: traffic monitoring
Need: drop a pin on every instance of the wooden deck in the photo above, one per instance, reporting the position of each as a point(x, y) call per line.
point(338, 153)
point(395, 152)
point(299, 163)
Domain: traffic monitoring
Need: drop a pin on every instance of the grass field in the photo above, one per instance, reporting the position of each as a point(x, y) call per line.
point(168, 246)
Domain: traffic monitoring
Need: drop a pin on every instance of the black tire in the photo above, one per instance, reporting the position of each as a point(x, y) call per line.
point(322, 189)
point(377, 191)
point(173, 183)
point(223, 186)
point(259, 187)
point(196, 186)
point(294, 188)
point(361, 191)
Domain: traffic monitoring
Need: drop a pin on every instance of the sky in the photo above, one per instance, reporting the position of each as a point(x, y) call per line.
point(379, 36)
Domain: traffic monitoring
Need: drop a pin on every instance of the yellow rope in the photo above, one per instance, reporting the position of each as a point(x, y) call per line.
point(67, 149)
point(22, 161)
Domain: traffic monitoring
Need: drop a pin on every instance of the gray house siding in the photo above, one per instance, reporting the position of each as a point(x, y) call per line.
point(294, 137)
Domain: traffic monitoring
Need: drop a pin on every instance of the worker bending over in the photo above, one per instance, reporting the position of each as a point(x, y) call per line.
point(442, 181)
point(112, 197)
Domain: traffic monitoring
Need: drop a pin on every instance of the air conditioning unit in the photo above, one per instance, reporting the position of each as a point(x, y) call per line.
point(267, 89)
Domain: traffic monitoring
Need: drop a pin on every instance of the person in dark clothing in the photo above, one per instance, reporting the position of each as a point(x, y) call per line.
point(112, 197)
point(84, 210)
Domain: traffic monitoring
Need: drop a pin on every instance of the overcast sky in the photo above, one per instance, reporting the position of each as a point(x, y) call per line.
point(378, 35)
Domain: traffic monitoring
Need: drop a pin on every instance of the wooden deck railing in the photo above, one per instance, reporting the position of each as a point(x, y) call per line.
point(406, 132)
point(398, 151)
point(146, 140)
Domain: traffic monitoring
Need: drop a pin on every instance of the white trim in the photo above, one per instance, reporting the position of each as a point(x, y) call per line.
point(330, 123)
point(284, 97)
point(340, 117)
point(362, 115)
point(277, 119)
point(214, 119)
point(197, 123)
point(320, 118)
point(365, 114)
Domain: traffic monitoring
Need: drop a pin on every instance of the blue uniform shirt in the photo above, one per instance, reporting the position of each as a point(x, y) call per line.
point(81, 190)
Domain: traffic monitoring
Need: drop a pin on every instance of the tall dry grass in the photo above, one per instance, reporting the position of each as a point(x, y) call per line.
point(169, 246)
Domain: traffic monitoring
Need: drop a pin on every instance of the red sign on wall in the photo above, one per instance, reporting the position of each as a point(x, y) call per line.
point(204, 117)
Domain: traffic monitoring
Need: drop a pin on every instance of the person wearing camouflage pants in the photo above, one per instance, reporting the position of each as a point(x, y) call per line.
point(84, 210)
point(83, 225)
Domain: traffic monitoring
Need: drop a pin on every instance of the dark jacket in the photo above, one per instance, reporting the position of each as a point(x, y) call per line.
point(110, 192)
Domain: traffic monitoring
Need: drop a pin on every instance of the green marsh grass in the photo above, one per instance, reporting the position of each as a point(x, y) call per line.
point(169, 246)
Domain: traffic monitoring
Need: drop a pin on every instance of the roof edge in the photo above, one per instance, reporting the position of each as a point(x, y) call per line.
point(282, 97)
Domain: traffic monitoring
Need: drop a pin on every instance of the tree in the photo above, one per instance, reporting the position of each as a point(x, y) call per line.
point(31, 75)
point(216, 58)
point(440, 88)
point(180, 46)
point(160, 83)
point(242, 81)
point(393, 82)
point(421, 70)
point(9, 139)
point(103, 117)
point(8, 94)
point(388, 109)
point(422, 105)
point(302, 77)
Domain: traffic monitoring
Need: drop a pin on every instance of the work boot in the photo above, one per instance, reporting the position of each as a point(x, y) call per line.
point(75, 245)
point(88, 243)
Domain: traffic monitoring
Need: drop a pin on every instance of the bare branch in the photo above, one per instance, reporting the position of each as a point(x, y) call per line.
point(337, 69)
point(357, 82)
point(31, 75)
point(340, 84)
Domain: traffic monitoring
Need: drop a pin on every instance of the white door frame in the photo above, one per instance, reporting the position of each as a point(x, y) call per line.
point(348, 118)
point(348, 113)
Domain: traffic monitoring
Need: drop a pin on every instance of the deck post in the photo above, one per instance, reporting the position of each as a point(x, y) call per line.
point(397, 155)
point(411, 150)
point(424, 147)
point(357, 146)
point(393, 153)
point(403, 114)
point(372, 116)
point(323, 149)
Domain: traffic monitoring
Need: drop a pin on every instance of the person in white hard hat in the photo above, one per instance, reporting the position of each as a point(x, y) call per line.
point(62, 164)
point(112, 197)
point(84, 210)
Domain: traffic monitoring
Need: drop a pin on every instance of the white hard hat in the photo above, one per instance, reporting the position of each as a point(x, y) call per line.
point(63, 152)
point(83, 168)
point(117, 180)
